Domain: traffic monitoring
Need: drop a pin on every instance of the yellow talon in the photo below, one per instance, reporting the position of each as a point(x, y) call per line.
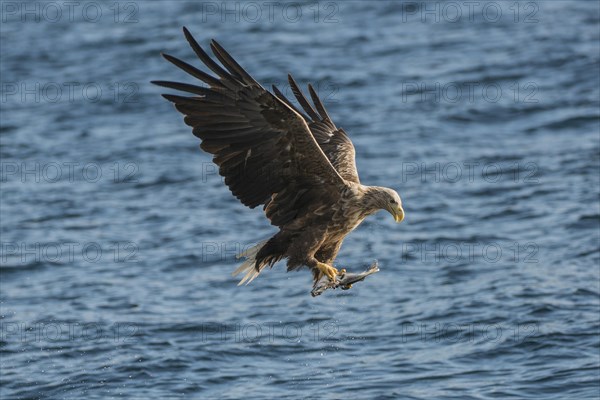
point(328, 270)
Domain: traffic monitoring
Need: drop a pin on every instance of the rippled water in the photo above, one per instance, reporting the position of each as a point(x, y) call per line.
point(118, 239)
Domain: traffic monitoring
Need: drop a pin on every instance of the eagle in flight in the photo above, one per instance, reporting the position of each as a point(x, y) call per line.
point(296, 163)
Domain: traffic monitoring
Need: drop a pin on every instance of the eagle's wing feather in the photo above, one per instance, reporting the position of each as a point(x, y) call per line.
point(334, 141)
point(263, 147)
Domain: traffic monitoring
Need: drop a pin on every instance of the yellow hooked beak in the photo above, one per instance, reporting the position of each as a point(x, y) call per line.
point(398, 213)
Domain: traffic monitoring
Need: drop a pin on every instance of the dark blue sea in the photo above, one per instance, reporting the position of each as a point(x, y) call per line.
point(118, 237)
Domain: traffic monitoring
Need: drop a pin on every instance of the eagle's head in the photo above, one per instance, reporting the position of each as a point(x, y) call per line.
point(382, 198)
point(393, 204)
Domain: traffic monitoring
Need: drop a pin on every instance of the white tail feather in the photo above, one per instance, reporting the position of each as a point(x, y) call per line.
point(248, 265)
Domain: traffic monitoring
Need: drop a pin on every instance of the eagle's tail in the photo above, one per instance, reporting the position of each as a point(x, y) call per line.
point(249, 266)
point(265, 253)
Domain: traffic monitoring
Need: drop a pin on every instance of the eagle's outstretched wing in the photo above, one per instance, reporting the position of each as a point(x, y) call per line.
point(263, 148)
point(334, 141)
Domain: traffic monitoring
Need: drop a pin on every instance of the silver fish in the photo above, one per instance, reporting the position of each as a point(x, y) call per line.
point(343, 281)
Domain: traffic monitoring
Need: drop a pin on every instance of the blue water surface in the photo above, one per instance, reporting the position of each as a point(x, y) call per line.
point(118, 237)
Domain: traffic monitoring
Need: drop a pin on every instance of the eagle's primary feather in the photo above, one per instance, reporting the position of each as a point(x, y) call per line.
point(298, 165)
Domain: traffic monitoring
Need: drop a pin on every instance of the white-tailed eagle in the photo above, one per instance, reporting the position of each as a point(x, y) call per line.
point(294, 162)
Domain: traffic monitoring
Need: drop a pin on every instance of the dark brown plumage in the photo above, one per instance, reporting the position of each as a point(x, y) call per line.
point(296, 163)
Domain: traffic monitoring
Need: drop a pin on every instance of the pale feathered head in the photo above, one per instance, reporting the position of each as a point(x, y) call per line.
point(382, 198)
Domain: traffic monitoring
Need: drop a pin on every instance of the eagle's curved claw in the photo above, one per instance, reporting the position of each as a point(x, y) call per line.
point(328, 271)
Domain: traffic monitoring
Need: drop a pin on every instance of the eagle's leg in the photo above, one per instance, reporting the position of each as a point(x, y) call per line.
point(327, 270)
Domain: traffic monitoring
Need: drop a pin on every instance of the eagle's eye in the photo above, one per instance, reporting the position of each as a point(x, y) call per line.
point(393, 201)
